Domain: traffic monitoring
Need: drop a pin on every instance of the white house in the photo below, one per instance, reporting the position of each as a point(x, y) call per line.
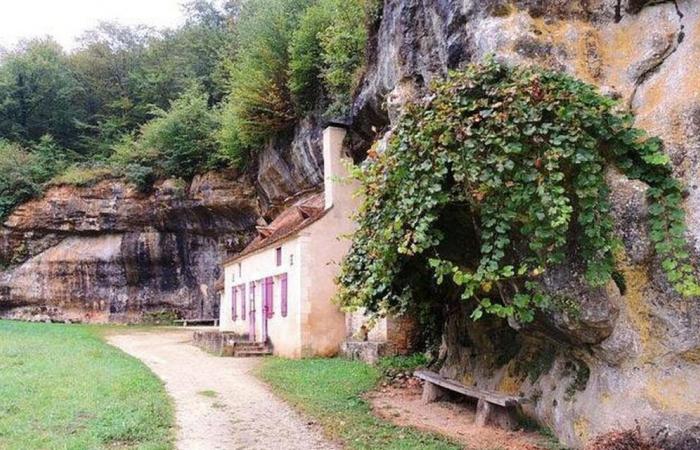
point(279, 289)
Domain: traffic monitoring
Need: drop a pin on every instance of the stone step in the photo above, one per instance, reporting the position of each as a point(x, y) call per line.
point(251, 353)
point(247, 346)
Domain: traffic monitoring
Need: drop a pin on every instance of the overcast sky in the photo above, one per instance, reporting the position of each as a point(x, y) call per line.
point(67, 19)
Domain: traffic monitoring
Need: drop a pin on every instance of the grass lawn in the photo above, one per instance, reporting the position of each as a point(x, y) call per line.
point(63, 387)
point(329, 390)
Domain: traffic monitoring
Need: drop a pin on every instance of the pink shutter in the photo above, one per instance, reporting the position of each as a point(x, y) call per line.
point(234, 303)
point(269, 293)
point(283, 288)
point(243, 315)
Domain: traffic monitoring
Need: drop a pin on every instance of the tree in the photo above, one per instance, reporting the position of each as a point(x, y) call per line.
point(105, 63)
point(179, 142)
point(39, 94)
point(260, 101)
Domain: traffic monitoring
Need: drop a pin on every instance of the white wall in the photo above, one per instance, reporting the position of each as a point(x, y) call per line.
point(283, 331)
point(315, 325)
point(324, 245)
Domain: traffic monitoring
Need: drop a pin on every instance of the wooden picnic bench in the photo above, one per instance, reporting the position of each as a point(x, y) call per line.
point(492, 408)
point(186, 322)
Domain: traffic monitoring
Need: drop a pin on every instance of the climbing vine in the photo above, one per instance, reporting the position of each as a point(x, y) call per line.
point(524, 151)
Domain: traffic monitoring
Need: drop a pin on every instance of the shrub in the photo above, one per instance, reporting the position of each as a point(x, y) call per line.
point(232, 151)
point(521, 153)
point(140, 176)
point(390, 365)
point(327, 53)
point(184, 136)
point(18, 181)
point(24, 172)
point(82, 175)
point(344, 44)
point(179, 142)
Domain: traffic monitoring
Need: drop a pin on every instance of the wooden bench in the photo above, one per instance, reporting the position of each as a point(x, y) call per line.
point(186, 322)
point(492, 408)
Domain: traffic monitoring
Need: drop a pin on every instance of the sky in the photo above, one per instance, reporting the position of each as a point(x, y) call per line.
point(67, 19)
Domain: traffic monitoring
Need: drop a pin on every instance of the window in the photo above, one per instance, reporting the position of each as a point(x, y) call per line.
point(243, 305)
point(283, 294)
point(269, 297)
point(234, 303)
point(278, 256)
point(240, 270)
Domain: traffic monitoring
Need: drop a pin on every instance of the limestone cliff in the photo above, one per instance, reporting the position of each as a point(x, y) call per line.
point(108, 253)
point(627, 355)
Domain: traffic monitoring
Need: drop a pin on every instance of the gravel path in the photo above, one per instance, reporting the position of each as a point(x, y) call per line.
point(219, 404)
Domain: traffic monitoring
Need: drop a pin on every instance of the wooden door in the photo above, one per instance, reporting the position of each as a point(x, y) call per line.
point(251, 313)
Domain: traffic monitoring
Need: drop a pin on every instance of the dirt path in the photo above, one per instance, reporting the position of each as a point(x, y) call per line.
point(219, 404)
point(403, 406)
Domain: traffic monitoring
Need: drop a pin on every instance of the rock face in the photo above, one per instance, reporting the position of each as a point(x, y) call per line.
point(290, 166)
point(108, 253)
point(628, 354)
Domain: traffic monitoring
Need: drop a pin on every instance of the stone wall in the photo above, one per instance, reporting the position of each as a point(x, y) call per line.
point(369, 340)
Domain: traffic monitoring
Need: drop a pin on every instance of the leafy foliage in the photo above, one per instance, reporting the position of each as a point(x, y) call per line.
point(293, 57)
point(179, 142)
point(344, 44)
point(17, 179)
point(524, 152)
point(260, 101)
point(183, 136)
point(23, 172)
point(327, 51)
point(39, 94)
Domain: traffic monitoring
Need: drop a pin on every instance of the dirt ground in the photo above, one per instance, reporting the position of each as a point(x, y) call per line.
point(455, 419)
point(219, 404)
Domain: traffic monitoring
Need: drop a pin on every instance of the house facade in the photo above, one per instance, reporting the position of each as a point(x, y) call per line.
point(280, 288)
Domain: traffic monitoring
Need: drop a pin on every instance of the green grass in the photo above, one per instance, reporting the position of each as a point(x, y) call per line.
point(63, 387)
point(330, 391)
point(208, 393)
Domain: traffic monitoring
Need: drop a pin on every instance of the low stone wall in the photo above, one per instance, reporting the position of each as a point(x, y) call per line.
point(367, 351)
point(219, 343)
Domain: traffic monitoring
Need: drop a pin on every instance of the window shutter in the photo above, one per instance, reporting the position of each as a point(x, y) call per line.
point(278, 256)
point(283, 288)
point(269, 291)
point(243, 305)
point(234, 303)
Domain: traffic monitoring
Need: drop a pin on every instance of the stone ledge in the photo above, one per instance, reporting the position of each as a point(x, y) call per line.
point(219, 343)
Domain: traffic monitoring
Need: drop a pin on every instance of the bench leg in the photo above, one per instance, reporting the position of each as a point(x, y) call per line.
point(432, 392)
point(496, 415)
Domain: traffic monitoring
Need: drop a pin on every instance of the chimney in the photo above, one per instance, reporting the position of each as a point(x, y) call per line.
point(334, 160)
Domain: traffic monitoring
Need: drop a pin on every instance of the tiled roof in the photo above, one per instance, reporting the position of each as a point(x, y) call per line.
point(292, 220)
